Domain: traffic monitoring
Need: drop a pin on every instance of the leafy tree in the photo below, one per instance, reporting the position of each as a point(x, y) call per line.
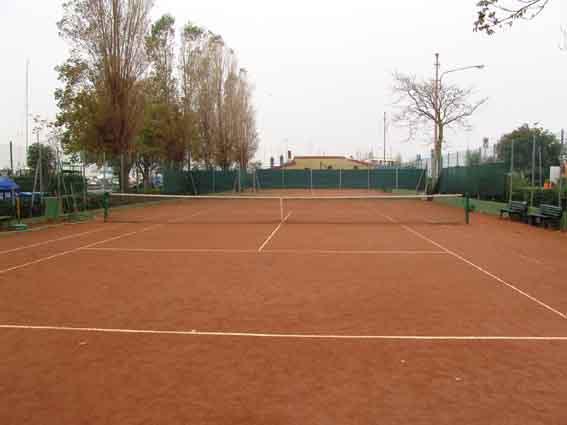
point(161, 136)
point(523, 138)
point(473, 158)
point(102, 75)
point(48, 162)
point(494, 14)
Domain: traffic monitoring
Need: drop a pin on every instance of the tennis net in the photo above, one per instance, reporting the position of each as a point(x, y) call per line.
point(179, 209)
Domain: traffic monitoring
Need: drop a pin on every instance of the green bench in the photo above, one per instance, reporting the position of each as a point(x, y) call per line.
point(547, 214)
point(516, 209)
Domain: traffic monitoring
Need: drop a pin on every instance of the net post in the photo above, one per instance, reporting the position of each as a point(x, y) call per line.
point(311, 179)
point(467, 209)
point(105, 205)
point(340, 179)
point(281, 210)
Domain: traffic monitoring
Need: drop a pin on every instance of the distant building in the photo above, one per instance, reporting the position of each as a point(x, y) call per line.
point(380, 162)
point(325, 163)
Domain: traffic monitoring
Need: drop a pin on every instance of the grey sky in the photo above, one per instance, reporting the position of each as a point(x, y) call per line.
point(322, 69)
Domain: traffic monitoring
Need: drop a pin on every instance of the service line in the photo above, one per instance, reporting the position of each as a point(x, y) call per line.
point(71, 251)
point(274, 232)
point(64, 238)
point(196, 333)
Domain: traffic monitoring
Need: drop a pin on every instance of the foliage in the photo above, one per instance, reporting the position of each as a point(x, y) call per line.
point(48, 161)
point(494, 14)
point(473, 158)
point(100, 102)
point(523, 138)
point(126, 95)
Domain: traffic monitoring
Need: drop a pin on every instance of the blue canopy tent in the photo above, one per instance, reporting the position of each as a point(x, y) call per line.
point(8, 185)
point(8, 190)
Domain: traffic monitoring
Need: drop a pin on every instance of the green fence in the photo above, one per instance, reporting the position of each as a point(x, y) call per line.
point(205, 182)
point(485, 181)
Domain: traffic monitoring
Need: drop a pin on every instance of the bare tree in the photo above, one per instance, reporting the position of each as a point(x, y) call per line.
point(216, 100)
point(424, 104)
point(108, 37)
point(245, 121)
point(493, 14)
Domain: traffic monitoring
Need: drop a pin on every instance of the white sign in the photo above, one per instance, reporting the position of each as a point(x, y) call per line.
point(554, 173)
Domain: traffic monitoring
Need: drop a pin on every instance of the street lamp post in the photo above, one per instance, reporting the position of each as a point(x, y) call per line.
point(436, 89)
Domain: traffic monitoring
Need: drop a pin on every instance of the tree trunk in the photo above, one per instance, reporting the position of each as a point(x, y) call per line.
point(124, 175)
point(438, 160)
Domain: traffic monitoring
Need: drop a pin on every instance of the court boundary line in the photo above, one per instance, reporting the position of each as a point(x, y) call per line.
point(71, 251)
point(37, 244)
point(194, 332)
point(487, 273)
point(276, 230)
point(479, 268)
point(352, 252)
point(175, 250)
point(265, 251)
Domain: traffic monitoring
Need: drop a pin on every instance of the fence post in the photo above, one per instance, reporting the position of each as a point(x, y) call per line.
point(105, 205)
point(397, 178)
point(467, 208)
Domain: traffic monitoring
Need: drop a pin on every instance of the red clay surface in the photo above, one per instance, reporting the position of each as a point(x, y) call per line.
point(70, 377)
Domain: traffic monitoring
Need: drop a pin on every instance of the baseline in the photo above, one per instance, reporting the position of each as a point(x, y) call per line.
point(265, 251)
point(195, 332)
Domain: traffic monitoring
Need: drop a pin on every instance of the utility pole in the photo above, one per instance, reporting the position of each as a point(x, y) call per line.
point(511, 171)
point(561, 168)
point(384, 139)
point(11, 158)
point(27, 106)
point(40, 163)
point(436, 129)
point(533, 169)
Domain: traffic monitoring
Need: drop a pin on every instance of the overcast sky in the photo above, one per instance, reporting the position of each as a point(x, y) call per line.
point(322, 69)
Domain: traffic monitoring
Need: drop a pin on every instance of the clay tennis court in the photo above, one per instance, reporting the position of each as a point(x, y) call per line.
point(346, 312)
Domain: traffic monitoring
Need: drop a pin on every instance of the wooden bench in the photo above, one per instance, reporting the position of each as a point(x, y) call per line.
point(547, 214)
point(516, 208)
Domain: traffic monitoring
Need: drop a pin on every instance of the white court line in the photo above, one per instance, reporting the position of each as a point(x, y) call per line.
point(71, 251)
point(285, 336)
point(84, 247)
point(351, 252)
point(486, 272)
point(35, 245)
point(274, 233)
point(176, 250)
point(480, 269)
point(265, 251)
